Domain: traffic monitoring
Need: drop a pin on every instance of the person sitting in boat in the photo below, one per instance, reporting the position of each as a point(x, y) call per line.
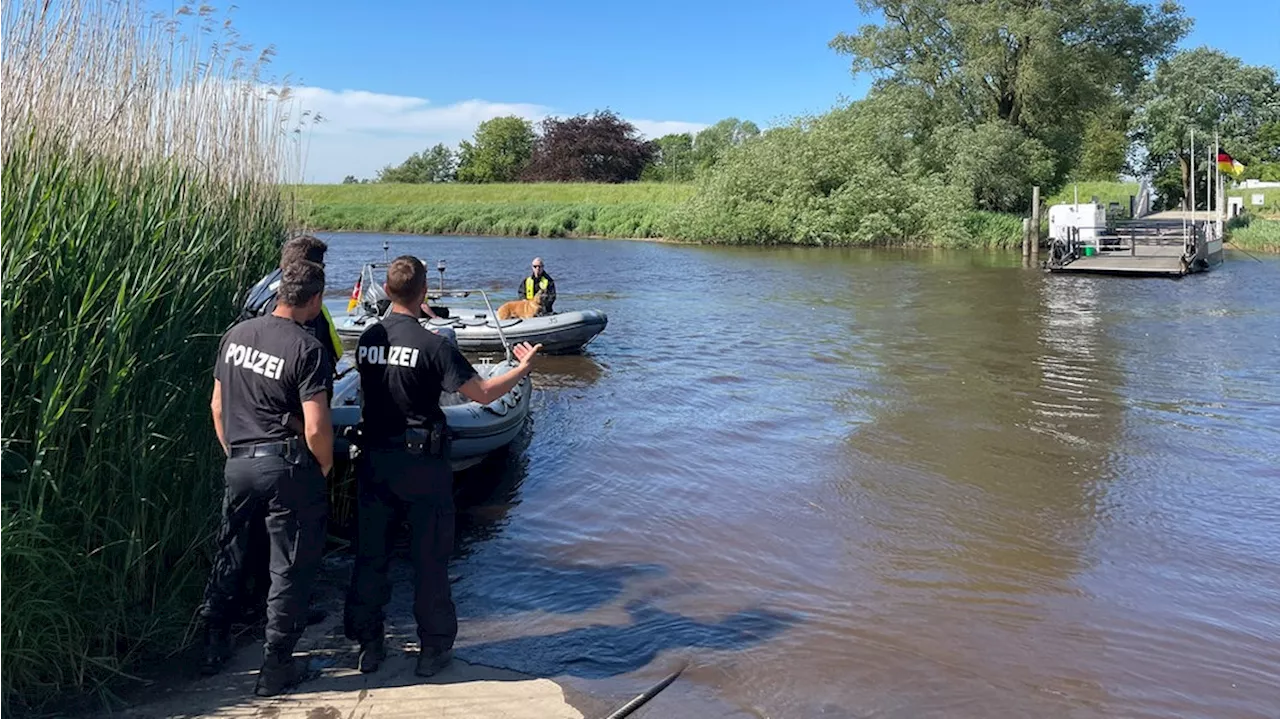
point(539, 281)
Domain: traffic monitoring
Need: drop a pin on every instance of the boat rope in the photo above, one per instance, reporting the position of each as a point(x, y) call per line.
point(1239, 249)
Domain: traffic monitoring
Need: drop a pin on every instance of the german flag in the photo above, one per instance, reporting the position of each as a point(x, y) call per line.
point(1228, 164)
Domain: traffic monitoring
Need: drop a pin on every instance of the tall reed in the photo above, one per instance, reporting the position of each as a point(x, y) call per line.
point(140, 156)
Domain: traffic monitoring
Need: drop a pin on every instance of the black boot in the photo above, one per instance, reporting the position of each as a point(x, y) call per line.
point(279, 672)
point(217, 649)
point(372, 653)
point(432, 660)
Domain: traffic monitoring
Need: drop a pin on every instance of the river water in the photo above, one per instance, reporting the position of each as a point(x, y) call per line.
point(881, 483)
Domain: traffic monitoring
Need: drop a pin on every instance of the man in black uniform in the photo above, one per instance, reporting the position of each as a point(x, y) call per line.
point(539, 281)
point(261, 301)
point(271, 389)
point(403, 369)
point(262, 297)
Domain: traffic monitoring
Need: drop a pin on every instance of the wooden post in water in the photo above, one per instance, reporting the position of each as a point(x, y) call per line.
point(1035, 224)
point(1026, 242)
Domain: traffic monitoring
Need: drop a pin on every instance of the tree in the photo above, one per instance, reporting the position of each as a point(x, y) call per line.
point(1041, 67)
point(500, 153)
point(851, 176)
point(1205, 90)
point(589, 148)
point(349, 180)
point(1104, 148)
point(435, 165)
point(673, 159)
point(997, 163)
point(712, 143)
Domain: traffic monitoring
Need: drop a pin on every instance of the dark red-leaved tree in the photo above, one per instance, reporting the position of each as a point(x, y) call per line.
point(589, 148)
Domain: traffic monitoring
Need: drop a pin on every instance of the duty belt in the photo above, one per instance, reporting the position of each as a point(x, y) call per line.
point(433, 441)
point(288, 448)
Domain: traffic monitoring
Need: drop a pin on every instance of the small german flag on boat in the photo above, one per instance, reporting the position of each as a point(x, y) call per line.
point(355, 295)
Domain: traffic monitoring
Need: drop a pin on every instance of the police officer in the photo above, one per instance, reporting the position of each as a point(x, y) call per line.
point(262, 298)
point(261, 301)
point(405, 461)
point(271, 389)
point(539, 281)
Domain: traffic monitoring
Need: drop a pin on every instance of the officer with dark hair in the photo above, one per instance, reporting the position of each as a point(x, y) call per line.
point(262, 298)
point(403, 369)
point(271, 389)
point(261, 301)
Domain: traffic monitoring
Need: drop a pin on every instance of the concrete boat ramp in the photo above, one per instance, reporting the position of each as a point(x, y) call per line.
point(335, 690)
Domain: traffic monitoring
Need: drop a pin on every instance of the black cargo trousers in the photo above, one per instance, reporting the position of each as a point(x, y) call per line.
point(289, 498)
point(423, 485)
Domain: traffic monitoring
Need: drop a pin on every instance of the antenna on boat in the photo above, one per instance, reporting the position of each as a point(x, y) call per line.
point(440, 269)
point(386, 246)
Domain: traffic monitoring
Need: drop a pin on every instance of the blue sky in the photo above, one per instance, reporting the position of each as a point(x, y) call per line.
point(395, 76)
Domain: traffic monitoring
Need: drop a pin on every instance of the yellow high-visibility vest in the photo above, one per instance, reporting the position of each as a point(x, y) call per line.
point(334, 339)
point(528, 286)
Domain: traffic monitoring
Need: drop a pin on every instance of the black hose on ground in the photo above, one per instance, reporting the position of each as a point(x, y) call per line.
point(636, 703)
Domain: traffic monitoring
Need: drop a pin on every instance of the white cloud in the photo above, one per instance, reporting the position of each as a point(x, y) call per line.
point(362, 132)
point(657, 128)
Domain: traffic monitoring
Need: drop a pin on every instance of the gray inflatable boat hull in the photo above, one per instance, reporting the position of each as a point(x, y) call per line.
point(476, 330)
point(478, 430)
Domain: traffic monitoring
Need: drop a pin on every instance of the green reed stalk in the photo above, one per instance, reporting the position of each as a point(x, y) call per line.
point(138, 202)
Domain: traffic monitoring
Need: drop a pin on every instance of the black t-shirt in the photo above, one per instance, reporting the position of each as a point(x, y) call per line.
point(403, 369)
point(268, 367)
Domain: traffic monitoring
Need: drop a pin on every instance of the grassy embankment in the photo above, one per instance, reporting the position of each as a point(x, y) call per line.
point(635, 210)
point(516, 209)
point(123, 259)
point(1259, 229)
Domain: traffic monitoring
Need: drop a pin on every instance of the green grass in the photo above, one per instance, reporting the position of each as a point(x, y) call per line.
point(514, 209)
point(992, 230)
point(638, 210)
point(1271, 200)
point(516, 193)
point(1254, 234)
point(1106, 192)
point(124, 256)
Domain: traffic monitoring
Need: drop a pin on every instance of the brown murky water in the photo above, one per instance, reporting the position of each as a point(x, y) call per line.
point(877, 483)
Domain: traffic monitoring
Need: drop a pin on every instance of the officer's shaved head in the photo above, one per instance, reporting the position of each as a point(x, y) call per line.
point(300, 281)
point(302, 247)
point(406, 279)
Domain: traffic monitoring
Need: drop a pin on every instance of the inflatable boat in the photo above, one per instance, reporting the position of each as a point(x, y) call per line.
point(477, 429)
point(475, 330)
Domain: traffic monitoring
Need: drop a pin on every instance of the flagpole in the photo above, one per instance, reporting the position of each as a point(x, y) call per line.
point(1193, 179)
point(1217, 186)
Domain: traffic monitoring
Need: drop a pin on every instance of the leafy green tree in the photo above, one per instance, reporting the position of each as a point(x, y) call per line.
point(851, 176)
point(996, 163)
point(1104, 148)
point(437, 164)
point(349, 180)
point(712, 143)
point(1205, 90)
point(500, 152)
point(673, 159)
point(1042, 67)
